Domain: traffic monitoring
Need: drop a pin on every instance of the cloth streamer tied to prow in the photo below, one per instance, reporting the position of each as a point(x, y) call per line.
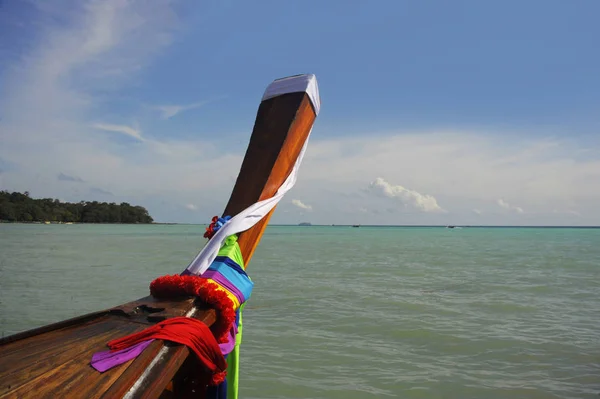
point(217, 276)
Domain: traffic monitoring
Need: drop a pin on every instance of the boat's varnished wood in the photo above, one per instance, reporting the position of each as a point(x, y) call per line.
point(32, 346)
point(275, 116)
point(56, 347)
point(50, 327)
point(42, 365)
point(270, 157)
point(56, 374)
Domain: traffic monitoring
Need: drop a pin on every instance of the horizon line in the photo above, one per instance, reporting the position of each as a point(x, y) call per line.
point(405, 225)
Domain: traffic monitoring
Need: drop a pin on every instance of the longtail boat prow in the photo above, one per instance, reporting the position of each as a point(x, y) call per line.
point(183, 339)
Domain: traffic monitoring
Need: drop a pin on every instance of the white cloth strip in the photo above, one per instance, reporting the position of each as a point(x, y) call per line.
point(254, 213)
point(295, 84)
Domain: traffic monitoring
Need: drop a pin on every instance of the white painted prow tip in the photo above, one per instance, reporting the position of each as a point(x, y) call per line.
point(294, 84)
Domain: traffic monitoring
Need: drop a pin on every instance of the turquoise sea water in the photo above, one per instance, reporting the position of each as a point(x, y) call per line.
point(340, 312)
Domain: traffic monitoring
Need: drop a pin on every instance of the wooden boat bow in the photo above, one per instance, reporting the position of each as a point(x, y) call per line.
point(54, 360)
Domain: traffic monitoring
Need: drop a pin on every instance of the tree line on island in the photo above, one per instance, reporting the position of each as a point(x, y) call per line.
point(20, 207)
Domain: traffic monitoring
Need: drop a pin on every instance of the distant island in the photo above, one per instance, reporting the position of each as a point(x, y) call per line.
point(304, 224)
point(20, 207)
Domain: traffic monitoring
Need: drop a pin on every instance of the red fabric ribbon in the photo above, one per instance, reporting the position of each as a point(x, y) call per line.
point(187, 331)
point(178, 286)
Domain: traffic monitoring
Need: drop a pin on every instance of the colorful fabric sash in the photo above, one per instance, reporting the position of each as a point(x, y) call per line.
point(225, 286)
point(228, 269)
point(187, 331)
point(106, 360)
point(231, 276)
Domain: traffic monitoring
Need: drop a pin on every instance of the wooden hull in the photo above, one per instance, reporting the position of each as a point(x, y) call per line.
point(54, 361)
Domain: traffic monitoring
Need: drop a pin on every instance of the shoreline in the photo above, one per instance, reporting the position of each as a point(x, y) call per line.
point(70, 223)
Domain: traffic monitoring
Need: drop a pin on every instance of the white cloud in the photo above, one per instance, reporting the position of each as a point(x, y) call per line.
point(422, 202)
point(301, 205)
point(505, 205)
point(567, 212)
point(191, 207)
point(123, 129)
point(477, 211)
point(169, 111)
point(463, 170)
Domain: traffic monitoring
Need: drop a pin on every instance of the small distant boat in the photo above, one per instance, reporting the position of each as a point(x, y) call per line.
point(450, 227)
point(356, 225)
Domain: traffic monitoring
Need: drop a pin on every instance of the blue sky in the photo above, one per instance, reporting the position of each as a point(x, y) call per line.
point(433, 112)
